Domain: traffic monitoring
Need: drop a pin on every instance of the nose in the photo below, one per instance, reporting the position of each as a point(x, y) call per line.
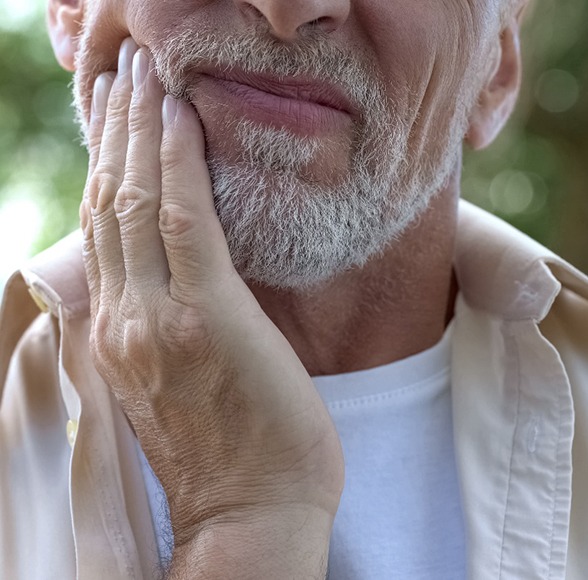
point(288, 18)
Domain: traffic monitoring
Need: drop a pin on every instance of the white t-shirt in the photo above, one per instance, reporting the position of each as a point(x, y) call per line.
point(400, 514)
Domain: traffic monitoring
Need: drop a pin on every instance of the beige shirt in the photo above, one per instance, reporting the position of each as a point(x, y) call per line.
point(72, 496)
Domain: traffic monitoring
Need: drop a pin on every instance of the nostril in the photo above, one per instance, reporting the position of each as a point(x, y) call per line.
point(287, 18)
point(324, 24)
point(251, 12)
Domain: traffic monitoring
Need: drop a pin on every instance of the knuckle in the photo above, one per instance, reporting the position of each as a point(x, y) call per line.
point(137, 344)
point(128, 198)
point(100, 339)
point(120, 350)
point(101, 189)
point(185, 337)
point(174, 220)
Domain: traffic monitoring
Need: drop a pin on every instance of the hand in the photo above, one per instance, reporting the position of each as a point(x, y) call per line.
point(222, 406)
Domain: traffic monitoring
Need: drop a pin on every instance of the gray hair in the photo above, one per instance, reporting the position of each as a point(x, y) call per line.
point(508, 8)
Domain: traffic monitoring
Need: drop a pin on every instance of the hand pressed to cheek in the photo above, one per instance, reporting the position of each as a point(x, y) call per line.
point(176, 333)
point(135, 231)
point(132, 159)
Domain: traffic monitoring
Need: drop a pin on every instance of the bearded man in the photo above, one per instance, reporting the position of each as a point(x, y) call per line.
point(272, 195)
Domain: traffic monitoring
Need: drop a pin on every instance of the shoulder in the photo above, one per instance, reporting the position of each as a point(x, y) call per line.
point(56, 278)
point(52, 282)
point(502, 271)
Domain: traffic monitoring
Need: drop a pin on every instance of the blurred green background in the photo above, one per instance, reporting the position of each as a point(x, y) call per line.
point(535, 175)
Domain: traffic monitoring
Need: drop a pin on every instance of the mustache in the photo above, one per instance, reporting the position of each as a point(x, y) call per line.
point(313, 56)
point(194, 47)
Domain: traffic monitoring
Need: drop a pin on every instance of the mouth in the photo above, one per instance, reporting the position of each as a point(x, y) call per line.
point(305, 106)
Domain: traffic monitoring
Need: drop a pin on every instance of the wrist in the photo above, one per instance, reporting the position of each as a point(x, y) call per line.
point(198, 504)
point(288, 541)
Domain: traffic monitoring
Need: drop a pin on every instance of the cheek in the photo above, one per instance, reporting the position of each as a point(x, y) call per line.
point(403, 43)
point(170, 16)
point(424, 50)
point(109, 22)
point(142, 14)
point(106, 26)
point(103, 31)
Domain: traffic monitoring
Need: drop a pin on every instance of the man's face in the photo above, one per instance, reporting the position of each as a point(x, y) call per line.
point(322, 148)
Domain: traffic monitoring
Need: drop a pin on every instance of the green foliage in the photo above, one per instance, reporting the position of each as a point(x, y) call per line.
point(535, 175)
point(40, 153)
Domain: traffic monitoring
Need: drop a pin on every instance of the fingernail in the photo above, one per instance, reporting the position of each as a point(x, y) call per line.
point(102, 87)
point(140, 68)
point(125, 56)
point(170, 110)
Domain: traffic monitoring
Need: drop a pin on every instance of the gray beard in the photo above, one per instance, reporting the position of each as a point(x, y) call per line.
point(287, 232)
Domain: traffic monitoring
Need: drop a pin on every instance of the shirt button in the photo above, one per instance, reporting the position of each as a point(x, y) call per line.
point(42, 305)
point(72, 430)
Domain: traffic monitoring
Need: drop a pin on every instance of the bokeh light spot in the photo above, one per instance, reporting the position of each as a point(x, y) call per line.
point(511, 192)
point(557, 91)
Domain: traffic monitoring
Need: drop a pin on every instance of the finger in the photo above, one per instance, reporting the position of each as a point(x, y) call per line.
point(102, 88)
point(108, 176)
point(138, 200)
point(193, 239)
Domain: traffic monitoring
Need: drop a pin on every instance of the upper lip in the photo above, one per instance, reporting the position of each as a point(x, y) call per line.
point(300, 88)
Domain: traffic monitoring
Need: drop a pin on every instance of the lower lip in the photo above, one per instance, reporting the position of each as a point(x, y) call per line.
point(301, 117)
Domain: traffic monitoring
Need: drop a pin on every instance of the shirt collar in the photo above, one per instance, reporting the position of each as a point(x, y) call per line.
point(499, 270)
point(504, 272)
point(57, 277)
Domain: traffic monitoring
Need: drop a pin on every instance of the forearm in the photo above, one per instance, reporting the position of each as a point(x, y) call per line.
point(290, 544)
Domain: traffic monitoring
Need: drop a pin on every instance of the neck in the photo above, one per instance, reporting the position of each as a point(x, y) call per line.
point(395, 306)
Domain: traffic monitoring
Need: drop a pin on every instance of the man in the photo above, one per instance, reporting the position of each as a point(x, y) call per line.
point(280, 202)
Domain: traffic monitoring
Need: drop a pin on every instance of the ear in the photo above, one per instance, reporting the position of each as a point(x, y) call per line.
point(64, 21)
point(498, 97)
